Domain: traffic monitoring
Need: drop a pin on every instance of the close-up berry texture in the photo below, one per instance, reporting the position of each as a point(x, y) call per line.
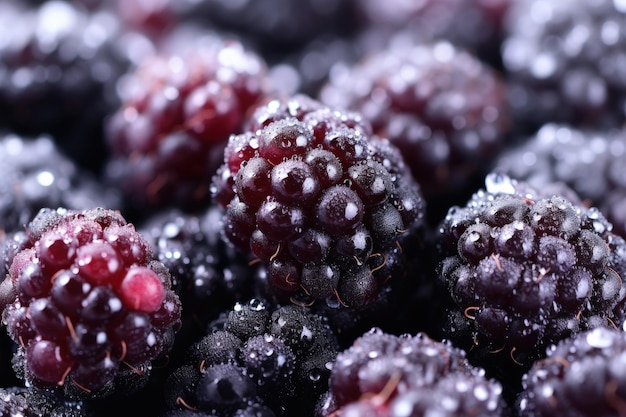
point(564, 62)
point(255, 355)
point(177, 111)
point(385, 375)
point(580, 377)
point(591, 161)
point(319, 200)
point(58, 66)
point(92, 308)
point(526, 271)
point(440, 105)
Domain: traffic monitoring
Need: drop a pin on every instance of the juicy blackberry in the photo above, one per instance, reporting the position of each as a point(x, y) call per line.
point(93, 309)
point(526, 270)
point(590, 161)
point(34, 174)
point(208, 274)
point(178, 110)
point(564, 62)
point(58, 63)
point(321, 202)
point(384, 375)
point(275, 359)
point(471, 24)
point(443, 108)
point(580, 377)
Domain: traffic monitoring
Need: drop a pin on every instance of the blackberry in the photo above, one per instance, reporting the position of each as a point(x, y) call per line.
point(443, 108)
point(92, 309)
point(35, 174)
point(208, 274)
point(21, 401)
point(391, 376)
point(564, 62)
point(590, 161)
point(526, 270)
point(275, 359)
point(321, 202)
point(178, 110)
point(57, 71)
point(581, 376)
point(471, 24)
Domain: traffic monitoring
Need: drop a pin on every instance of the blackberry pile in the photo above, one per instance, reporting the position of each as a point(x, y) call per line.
point(316, 208)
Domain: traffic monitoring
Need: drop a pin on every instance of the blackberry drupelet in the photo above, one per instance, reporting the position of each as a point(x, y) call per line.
point(322, 203)
point(564, 63)
point(58, 65)
point(35, 174)
point(272, 358)
point(384, 375)
point(208, 274)
point(178, 110)
point(526, 270)
point(443, 108)
point(581, 377)
point(92, 309)
point(590, 161)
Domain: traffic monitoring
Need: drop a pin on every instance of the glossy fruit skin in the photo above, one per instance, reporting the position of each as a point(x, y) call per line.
point(321, 202)
point(91, 304)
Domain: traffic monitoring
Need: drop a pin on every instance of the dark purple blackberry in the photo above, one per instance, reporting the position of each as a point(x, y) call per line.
point(471, 24)
point(34, 174)
point(58, 63)
point(581, 376)
point(443, 108)
point(208, 274)
point(384, 375)
point(92, 309)
point(273, 359)
point(178, 110)
point(31, 402)
point(564, 62)
point(319, 201)
point(590, 161)
point(526, 270)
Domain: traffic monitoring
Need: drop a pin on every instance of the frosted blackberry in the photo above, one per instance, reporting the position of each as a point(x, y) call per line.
point(564, 62)
point(35, 174)
point(591, 161)
point(58, 65)
point(92, 309)
point(385, 375)
point(178, 110)
point(20, 401)
point(581, 376)
point(472, 24)
point(527, 270)
point(443, 108)
point(274, 359)
point(208, 274)
point(318, 200)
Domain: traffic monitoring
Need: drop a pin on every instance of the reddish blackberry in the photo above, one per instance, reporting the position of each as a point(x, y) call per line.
point(472, 24)
point(34, 174)
point(384, 375)
point(58, 63)
point(525, 271)
point(272, 358)
point(581, 376)
point(590, 161)
point(92, 308)
point(443, 108)
point(321, 202)
point(208, 274)
point(564, 62)
point(178, 109)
